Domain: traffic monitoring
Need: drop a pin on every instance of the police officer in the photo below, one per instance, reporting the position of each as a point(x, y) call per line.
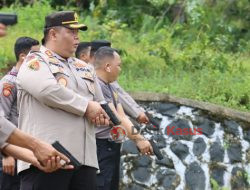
point(107, 63)
point(128, 103)
point(58, 99)
point(44, 152)
point(8, 102)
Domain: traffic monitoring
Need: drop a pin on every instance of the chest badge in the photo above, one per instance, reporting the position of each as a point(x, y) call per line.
point(48, 53)
point(62, 81)
point(7, 89)
point(34, 65)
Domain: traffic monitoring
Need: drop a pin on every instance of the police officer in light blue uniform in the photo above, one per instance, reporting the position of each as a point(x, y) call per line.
point(8, 103)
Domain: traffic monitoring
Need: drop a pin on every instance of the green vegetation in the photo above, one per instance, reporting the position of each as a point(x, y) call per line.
point(188, 48)
point(216, 186)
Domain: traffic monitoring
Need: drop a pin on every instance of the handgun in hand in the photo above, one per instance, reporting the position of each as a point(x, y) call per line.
point(111, 114)
point(60, 148)
point(156, 150)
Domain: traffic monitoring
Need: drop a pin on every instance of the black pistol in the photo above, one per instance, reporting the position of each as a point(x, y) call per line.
point(111, 114)
point(156, 150)
point(8, 19)
point(73, 161)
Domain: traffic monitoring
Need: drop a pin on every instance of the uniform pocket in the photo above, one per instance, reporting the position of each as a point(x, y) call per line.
point(91, 86)
point(60, 74)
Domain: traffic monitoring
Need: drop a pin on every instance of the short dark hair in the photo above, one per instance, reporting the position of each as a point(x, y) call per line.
point(23, 45)
point(82, 47)
point(45, 36)
point(96, 44)
point(101, 54)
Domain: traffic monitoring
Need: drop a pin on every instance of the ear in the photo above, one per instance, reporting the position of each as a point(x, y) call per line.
point(21, 57)
point(82, 56)
point(52, 34)
point(108, 67)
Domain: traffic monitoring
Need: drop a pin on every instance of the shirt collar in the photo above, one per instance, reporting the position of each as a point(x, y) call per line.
point(102, 81)
point(50, 53)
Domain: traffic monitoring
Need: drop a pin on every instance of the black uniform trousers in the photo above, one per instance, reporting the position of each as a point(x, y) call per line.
point(108, 154)
point(10, 182)
point(83, 178)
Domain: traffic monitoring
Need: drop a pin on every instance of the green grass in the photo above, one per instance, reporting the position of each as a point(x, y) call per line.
point(155, 59)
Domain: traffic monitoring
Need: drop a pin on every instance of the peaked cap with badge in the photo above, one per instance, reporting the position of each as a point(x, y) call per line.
point(68, 19)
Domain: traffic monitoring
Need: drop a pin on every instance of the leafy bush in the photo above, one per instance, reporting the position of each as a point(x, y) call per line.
point(185, 48)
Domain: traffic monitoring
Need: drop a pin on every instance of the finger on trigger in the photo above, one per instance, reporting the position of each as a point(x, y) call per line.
point(63, 157)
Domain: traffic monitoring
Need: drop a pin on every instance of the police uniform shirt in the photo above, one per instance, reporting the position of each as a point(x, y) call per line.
point(128, 103)
point(6, 129)
point(110, 96)
point(8, 96)
point(53, 95)
point(8, 103)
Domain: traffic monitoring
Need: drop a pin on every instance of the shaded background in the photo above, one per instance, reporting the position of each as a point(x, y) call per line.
point(198, 49)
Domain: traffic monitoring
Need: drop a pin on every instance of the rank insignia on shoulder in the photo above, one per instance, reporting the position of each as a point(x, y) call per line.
point(7, 89)
point(62, 81)
point(48, 53)
point(30, 57)
point(53, 60)
point(34, 64)
point(79, 64)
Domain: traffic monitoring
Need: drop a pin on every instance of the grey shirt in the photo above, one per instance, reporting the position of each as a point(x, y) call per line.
point(111, 96)
point(53, 95)
point(128, 103)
